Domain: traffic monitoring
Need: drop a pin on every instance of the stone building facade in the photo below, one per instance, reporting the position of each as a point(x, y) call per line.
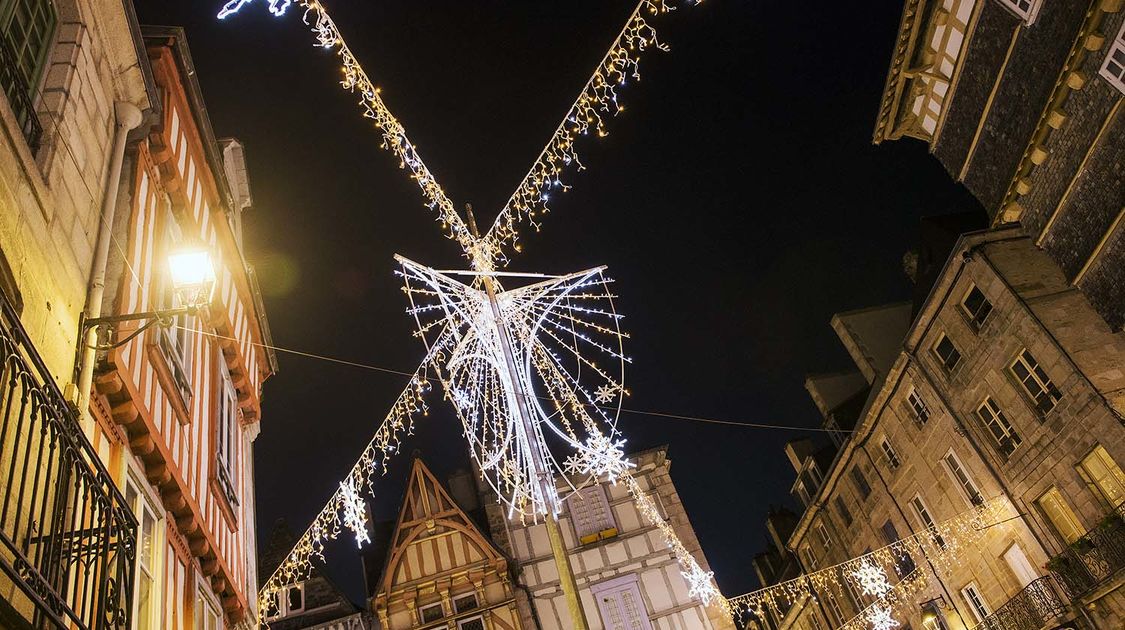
point(1021, 100)
point(627, 577)
point(122, 518)
point(1006, 385)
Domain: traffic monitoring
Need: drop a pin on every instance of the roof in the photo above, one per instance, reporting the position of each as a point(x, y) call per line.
point(900, 56)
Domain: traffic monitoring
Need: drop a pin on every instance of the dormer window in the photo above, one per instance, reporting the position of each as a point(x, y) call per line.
point(1113, 68)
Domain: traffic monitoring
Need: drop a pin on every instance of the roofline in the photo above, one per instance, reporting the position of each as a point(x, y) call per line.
point(899, 55)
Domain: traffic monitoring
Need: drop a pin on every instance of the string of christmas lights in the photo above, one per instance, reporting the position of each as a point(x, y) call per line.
point(944, 546)
point(356, 81)
point(346, 508)
point(597, 101)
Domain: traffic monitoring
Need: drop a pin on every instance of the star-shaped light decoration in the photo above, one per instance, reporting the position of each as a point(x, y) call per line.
point(881, 619)
point(872, 579)
point(700, 583)
point(605, 394)
point(600, 456)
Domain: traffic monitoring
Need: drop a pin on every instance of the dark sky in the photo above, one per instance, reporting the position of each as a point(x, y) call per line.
point(738, 202)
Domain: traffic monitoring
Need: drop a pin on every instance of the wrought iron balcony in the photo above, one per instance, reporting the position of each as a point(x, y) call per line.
point(67, 537)
point(1037, 605)
point(1093, 559)
point(19, 95)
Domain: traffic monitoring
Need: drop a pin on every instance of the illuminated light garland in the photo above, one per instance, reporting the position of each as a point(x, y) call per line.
point(881, 619)
point(354, 511)
point(557, 331)
point(277, 7)
point(339, 511)
point(941, 546)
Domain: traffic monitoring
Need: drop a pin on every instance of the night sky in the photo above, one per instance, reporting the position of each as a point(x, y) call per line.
point(738, 202)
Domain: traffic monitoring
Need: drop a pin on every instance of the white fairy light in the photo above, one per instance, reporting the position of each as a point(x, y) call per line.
point(605, 394)
point(700, 583)
point(354, 511)
point(601, 457)
point(277, 7)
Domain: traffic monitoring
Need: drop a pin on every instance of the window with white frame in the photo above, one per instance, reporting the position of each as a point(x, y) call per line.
point(620, 604)
point(175, 341)
point(146, 589)
point(1113, 68)
point(976, 307)
point(1026, 10)
point(1102, 472)
point(226, 433)
point(814, 621)
point(836, 611)
point(1004, 437)
point(431, 612)
point(287, 601)
point(890, 456)
point(809, 556)
point(591, 515)
point(1035, 383)
point(825, 539)
point(918, 406)
point(927, 519)
point(961, 477)
point(947, 353)
point(977, 606)
point(206, 612)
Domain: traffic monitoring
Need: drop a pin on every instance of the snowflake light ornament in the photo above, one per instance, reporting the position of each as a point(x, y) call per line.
point(872, 579)
point(355, 511)
point(701, 583)
point(605, 394)
point(600, 456)
point(881, 619)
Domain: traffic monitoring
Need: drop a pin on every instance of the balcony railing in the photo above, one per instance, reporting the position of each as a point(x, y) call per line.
point(19, 95)
point(67, 537)
point(1093, 559)
point(1031, 609)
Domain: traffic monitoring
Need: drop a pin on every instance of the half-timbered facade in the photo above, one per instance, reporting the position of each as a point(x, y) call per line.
point(185, 397)
point(441, 569)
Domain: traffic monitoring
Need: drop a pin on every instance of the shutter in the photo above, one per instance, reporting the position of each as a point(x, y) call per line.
point(589, 508)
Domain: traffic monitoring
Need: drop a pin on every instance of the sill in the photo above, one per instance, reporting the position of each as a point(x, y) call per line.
point(26, 158)
point(168, 382)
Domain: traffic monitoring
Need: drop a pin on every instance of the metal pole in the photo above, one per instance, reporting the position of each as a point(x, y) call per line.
point(544, 477)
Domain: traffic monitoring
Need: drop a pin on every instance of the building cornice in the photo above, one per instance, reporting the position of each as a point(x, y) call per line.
point(903, 50)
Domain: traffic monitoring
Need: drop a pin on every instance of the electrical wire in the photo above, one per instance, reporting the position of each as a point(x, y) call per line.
point(640, 412)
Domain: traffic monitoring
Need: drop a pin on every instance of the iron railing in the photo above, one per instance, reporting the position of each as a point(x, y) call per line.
point(1031, 609)
point(67, 537)
point(19, 95)
point(1093, 559)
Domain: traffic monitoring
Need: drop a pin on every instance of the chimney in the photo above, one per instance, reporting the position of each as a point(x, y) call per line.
point(462, 488)
point(797, 450)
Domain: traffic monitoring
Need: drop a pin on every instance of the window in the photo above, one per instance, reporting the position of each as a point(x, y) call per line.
point(976, 307)
point(287, 601)
point(1102, 472)
point(1058, 512)
point(1026, 10)
point(175, 340)
point(842, 508)
point(860, 482)
point(973, 598)
point(1113, 68)
point(226, 434)
point(27, 31)
point(432, 612)
point(620, 604)
point(918, 406)
point(809, 556)
point(947, 354)
point(825, 539)
point(591, 514)
point(206, 613)
point(814, 621)
point(837, 615)
point(146, 598)
point(467, 602)
point(904, 565)
point(1004, 437)
point(475, 623)
point(961, 478)
point(923, 513)
point(889, 454)
point(1035, 382)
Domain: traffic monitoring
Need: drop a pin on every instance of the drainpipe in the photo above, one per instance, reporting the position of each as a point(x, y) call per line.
point(128, 118)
